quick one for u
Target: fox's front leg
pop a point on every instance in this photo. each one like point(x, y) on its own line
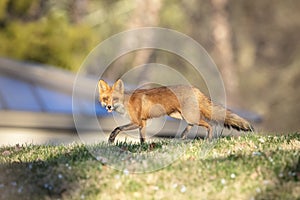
point(142, 130)
point(117, 130)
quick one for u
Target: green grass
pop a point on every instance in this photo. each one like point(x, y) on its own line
point(246, 167)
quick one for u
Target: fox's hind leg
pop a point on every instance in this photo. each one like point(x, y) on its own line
point(201, 123)
point(208, 127)
point(186, 131)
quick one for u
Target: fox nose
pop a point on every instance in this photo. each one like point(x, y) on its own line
point(109, 107)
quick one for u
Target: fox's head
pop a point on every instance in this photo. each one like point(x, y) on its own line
point(111, 98)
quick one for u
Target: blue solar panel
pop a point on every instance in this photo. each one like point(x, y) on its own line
point(100, 111)
point(54, 101)
point(18, 95)
point(25, 96)
point(86, 107)
point(82, 106)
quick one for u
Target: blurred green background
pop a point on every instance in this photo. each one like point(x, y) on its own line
point(254, 43)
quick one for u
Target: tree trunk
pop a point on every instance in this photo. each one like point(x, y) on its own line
point(145, 14)
point(78, 9)
point(223, 51)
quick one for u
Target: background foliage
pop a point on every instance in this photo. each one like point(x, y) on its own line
point(264, 39)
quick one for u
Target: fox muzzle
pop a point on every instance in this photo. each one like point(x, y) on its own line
point(109, 108)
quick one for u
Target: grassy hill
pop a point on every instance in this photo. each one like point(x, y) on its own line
point(246, 167)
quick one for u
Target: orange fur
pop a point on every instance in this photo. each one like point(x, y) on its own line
point(181, 102)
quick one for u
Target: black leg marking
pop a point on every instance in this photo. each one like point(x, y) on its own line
point(117, 130)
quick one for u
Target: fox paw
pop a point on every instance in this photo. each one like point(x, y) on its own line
point(111, 140)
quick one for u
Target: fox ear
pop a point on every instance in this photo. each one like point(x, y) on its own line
point(102, 86)
point(118, 86)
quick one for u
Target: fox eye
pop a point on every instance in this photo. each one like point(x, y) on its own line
point(115, 99)
point(105, 99)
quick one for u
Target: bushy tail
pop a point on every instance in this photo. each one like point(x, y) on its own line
point(236, 122)
point(221, 115)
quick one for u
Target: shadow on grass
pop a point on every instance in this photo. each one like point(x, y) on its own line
point(53, 176)
point(43, 172)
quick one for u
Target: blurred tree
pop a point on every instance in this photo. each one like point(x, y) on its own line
point(3, 6)
point(43, 31)
point(222, 38)
point(78, 10)
point(255, 43)
point(145, 14)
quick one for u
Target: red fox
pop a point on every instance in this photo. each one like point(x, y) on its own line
point(180, 102)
